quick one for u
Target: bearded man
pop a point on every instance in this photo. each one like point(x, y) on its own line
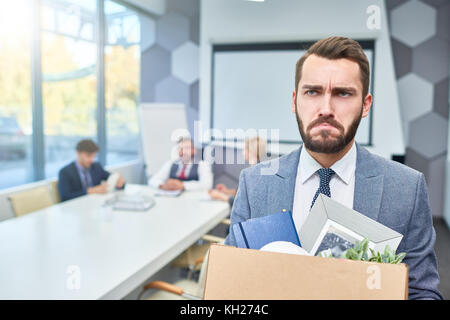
point(329, 100)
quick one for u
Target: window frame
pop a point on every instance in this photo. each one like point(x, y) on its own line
point(38, 136)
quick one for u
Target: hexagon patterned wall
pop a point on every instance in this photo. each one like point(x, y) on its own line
point(170, 58)
point(170, 66)
point(421, 48)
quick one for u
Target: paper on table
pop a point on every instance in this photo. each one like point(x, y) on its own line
point(168, 193)
point(133, 202)
point(284, 247)
point(112, 181)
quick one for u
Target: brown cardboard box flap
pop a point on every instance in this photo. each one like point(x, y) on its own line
point(234, 273)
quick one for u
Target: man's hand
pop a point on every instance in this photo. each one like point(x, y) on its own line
point(222, 188)
point(101, 188)
point(218, 195)
point(120, 182)
point(172, 184)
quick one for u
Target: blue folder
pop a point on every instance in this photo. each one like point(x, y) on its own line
point(256, 233)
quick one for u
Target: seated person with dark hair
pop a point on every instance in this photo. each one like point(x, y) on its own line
point(84, 175)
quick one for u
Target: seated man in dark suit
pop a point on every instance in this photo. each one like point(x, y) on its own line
point(84, 175)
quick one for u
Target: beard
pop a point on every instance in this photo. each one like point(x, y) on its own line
point(328, 144)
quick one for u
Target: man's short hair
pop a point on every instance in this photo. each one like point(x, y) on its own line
point(338, 48)
point(87, 145)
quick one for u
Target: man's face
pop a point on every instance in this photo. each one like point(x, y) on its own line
point(186, 151)
point(86, 159)
point(328, 103)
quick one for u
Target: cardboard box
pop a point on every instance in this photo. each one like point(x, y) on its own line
point(247, 274)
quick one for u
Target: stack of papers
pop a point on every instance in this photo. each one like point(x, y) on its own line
point(132, 202)
point(168, 193)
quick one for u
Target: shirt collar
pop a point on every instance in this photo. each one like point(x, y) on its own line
point(180, 163)
point(307, 165)
point(79, 167)
point(344, 168)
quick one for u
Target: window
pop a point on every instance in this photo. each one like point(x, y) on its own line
point(69, 92)
point(122, 66)
point(69, 83)
point(15, 94)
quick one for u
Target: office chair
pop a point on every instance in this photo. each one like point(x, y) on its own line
point(194, 258)
point(55, 192)
point(185, 289)
point(197, 251)
point(30, 200)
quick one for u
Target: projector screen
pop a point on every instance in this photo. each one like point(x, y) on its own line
point(252, 89)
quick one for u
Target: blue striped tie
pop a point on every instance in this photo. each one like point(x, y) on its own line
point(325, 175)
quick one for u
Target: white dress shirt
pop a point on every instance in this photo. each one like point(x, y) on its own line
point(205, 176)
point(342, 183)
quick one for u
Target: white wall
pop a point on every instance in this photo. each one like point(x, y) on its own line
point(238, 21)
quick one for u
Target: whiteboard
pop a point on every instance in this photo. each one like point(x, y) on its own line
point(252, 89)
point(162, 124)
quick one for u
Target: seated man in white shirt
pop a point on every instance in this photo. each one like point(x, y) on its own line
point(183, 173)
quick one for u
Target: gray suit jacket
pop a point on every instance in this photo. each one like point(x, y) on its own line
point(386, 191)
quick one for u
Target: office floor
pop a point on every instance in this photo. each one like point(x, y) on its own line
point(442, 249)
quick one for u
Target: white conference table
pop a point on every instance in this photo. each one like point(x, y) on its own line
point(109, 252)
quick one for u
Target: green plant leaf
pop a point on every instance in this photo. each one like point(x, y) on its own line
point(365, 245)
point(360, 252)
point(391, 256)
point(399, 258)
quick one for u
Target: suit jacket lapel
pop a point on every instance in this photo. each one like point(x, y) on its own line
point(368, 184)
point(76, 175)
point(281, 191)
